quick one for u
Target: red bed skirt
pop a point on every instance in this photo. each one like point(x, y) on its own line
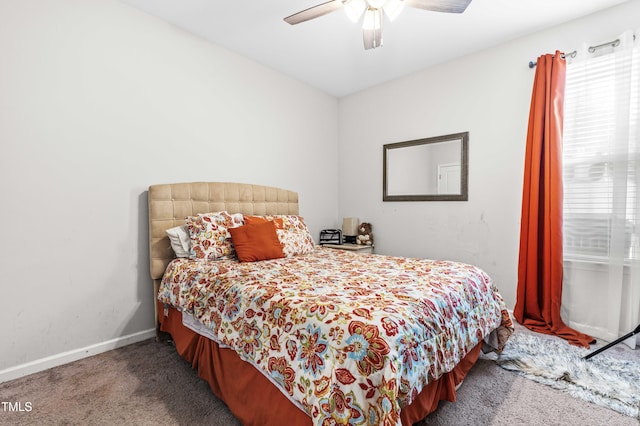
point(253, 399)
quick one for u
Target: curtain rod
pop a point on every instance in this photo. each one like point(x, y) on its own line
point(591, 49)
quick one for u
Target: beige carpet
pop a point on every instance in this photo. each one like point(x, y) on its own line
point(149, 384)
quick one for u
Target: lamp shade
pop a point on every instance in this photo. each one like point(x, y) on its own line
point(393, 8)
point(350, 226)
point(376, 4)
point(354, 9)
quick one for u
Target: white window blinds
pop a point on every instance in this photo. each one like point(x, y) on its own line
point(601, 154)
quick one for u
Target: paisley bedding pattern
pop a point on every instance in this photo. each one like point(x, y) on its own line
point(350, 339)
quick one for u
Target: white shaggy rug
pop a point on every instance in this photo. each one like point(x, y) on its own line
point(602, 380)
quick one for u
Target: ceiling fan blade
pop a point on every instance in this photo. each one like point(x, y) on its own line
point(446, 6)
point(314, 12)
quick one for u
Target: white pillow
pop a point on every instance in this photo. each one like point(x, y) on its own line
point(180, 240)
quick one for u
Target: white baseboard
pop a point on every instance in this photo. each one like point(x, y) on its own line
point(74, 355)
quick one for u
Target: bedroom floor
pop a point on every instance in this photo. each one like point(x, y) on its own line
point(148, 383)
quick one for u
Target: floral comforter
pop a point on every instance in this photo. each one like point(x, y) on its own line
point(350, 338)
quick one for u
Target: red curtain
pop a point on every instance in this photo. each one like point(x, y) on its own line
point(539, 293)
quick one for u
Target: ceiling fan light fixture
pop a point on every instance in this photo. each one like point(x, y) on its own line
point(372, 28)
point(373, 11)
point(393, 8)
point(376, 4)
point(354, 9)
point(372, 19)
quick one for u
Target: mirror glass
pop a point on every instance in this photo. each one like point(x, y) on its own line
point(431, 169)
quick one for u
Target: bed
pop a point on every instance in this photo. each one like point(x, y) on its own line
point(313, 336)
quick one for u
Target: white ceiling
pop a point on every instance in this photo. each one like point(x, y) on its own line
point(328, 53)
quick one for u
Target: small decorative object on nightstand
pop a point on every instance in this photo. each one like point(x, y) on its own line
point(365, 234)
point(354, 248)
point(330, 236)
point(350, 229)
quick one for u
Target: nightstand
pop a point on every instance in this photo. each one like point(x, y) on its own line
point(355, 248)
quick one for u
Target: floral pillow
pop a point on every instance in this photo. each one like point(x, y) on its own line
point(210, 237)
point(292, 233)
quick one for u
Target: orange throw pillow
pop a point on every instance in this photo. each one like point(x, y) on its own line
point(256, 241)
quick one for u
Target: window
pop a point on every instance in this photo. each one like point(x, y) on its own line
point(601, 156)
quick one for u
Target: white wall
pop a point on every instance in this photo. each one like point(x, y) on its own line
point(487, 94)
point(97, 102)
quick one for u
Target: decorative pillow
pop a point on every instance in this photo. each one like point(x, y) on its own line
point(295, 236)
point(251, 220)
point(210, 237)
point(292, 233)
point(257, 241)
point(180, 240)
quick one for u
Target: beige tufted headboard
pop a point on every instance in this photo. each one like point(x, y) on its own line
point(169, 204)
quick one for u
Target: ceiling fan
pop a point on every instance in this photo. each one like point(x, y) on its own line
point(373, 11)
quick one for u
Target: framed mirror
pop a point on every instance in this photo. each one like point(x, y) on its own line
point(431, 169)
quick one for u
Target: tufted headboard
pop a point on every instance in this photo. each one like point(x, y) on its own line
point(169, 204)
